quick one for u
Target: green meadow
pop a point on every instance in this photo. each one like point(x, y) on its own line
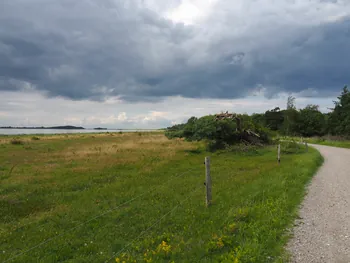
point(139, 197)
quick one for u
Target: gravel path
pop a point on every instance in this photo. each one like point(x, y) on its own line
point(322, 234)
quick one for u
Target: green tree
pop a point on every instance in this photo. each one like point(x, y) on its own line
point(190, 127)
point(339, 119)
point(311, 121)
point(291, 103)
point(259, 118)
point(274, 119)
point(290, 118)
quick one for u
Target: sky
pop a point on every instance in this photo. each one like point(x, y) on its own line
point(155, 63)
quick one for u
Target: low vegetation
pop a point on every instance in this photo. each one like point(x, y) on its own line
point(292, 147)
point(258, 129)
point(16, 141)
point(335, 141)
point(221, 134)
point(140, 198)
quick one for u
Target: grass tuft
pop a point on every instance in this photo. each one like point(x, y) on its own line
point(16, 142)
point(292, 147)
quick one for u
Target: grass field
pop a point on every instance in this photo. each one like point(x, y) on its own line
point(342, 144)
point(139, 197)
point(323, 141)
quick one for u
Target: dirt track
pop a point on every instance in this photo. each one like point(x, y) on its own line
point(323, 232)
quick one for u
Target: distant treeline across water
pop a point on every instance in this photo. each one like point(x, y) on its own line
point(28, 130)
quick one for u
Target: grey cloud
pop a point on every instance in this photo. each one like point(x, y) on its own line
point(319, 63)
point(92, 49)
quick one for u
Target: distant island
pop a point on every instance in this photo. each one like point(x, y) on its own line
point(67, 127)
point(99, 128)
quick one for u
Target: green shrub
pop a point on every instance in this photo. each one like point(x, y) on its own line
point(266, 134)
point(215, 145)
point(219, 134)
point(16, 142)
point(34, 138)
point(176, 131)
point(292, 148)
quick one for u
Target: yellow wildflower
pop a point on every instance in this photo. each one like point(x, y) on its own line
point(220, 243)
point(232, 227)
point(163, 247)
point(117, 260)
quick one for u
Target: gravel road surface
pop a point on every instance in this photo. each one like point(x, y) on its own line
point(322, 234)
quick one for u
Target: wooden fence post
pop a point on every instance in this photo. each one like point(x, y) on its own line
point(207, 181)
point(307, 147)
point(279, 153)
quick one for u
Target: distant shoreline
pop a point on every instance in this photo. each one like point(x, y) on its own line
point(45, 128)
point(75, 128)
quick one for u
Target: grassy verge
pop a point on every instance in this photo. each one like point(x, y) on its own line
point(324, 141)
point(342, 144)
point(65, 192)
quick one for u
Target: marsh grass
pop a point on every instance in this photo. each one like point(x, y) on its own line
point(64, 180)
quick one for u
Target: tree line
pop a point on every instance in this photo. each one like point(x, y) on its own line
point(309, 121)
point(259, 128)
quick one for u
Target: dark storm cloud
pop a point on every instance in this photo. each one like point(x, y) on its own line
point(95, 49)
point(316, 60)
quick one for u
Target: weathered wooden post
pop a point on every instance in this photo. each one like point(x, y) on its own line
point(207, 181)
point(279, 153)
point(307, 147)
